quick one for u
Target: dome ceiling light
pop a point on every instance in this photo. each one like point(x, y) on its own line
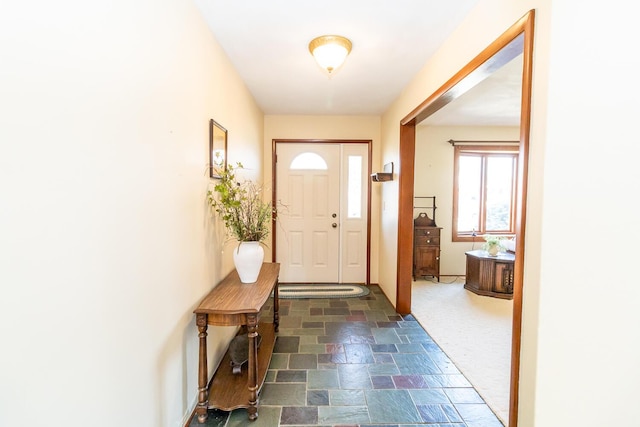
point(330, 51)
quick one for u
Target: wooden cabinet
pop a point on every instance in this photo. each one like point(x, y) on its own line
point(233, 303)
point(426, 247)
point(490, 275)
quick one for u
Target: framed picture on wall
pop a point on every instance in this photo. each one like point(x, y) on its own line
point(217, 148)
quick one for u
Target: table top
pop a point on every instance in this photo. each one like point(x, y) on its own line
point(231, 296)
point(502, 256)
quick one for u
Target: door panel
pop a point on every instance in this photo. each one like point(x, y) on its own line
point(353, 246)
point(353, 227)
point(307, 246)
point(321, 191)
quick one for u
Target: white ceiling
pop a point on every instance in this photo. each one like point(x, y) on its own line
point(267, 42)
point(493, 102)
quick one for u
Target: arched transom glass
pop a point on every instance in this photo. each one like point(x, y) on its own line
point(308, 161)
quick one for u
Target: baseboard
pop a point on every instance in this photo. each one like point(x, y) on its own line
point(187, 422)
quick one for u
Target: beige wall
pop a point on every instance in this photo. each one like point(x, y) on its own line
point(483, 25)
point(434, 177)
point(588, 299)
point(331, 127)
point(579, 304)
point(107, 247)
point(106, 242)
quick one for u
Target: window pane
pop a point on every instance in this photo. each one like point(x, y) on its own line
point(354, 187)
point(308, 161)
point(499, 182)
point(469, 170)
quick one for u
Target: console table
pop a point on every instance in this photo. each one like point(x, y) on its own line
point(490, 275)
point(233, 303)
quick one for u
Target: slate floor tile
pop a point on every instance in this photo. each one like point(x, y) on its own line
point(303, 361)
point(286, 344)
point(429, 396)
point(415, 363)
point(362, 339)
point(283, 394)
point(384, 348)
point(215, 419)
point(452, 413)
point(296, 415)
point(339, 310)
point(334, 348)
point(463, 395)
point(347, 398)
point(358, 353)
point(279, 361)
point(444, 381)
point(341, 415)
point(338, 303)
point(477, 415)
point(291, 376)
point(312, 348)
point(355, 362)
point(382, 381)
point(317, 397)
point(383, 369)
point(268, 416)
point(432, 414)
point(354, 376)
point(386, 336)
point(313, 325)
point(409, 348)
point(387, 324)
point(383, 358)
point(322, 379)
point(409, 381)
point(392, 406)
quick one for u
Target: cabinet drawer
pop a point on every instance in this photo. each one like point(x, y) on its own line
point(427, 231)
point(427, 240)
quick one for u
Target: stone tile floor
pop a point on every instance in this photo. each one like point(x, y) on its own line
point(356, 362)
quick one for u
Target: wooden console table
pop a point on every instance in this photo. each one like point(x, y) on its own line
point(233, 303)
point(490, 275)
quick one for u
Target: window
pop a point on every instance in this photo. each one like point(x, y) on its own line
point(484, 188)
point(308, 161)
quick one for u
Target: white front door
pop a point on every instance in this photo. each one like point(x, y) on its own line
point(321, 193)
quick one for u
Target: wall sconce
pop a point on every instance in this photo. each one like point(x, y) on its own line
point(330, 52)
point(387, 175)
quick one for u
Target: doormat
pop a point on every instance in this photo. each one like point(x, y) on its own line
point(299, 291)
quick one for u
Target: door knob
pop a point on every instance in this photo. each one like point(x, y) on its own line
point(334, 225)
point(333, 215)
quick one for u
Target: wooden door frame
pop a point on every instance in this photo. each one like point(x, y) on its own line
point(274, 159)
point(490, 59)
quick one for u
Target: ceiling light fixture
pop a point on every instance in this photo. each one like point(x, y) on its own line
point(330, 51)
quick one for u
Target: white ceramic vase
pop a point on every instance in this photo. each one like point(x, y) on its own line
point(493, 250)
point(248, 257)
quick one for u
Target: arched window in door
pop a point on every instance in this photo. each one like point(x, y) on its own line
point(308, 161)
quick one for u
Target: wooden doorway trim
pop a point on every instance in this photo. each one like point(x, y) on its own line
point(274, 160)
point(490, 59)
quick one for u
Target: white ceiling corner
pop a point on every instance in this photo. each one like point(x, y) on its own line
point(267, 42)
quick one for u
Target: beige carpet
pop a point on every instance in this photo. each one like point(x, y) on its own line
point(474, 331)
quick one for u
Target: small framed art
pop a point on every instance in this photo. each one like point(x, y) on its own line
point(217, 148)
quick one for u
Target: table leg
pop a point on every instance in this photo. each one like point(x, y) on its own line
point(203, 390)
point(276, 308)
point(252, 326)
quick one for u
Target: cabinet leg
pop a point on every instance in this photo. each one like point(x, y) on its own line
point(203, 390)
point(276, 308)
point(252, 327)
